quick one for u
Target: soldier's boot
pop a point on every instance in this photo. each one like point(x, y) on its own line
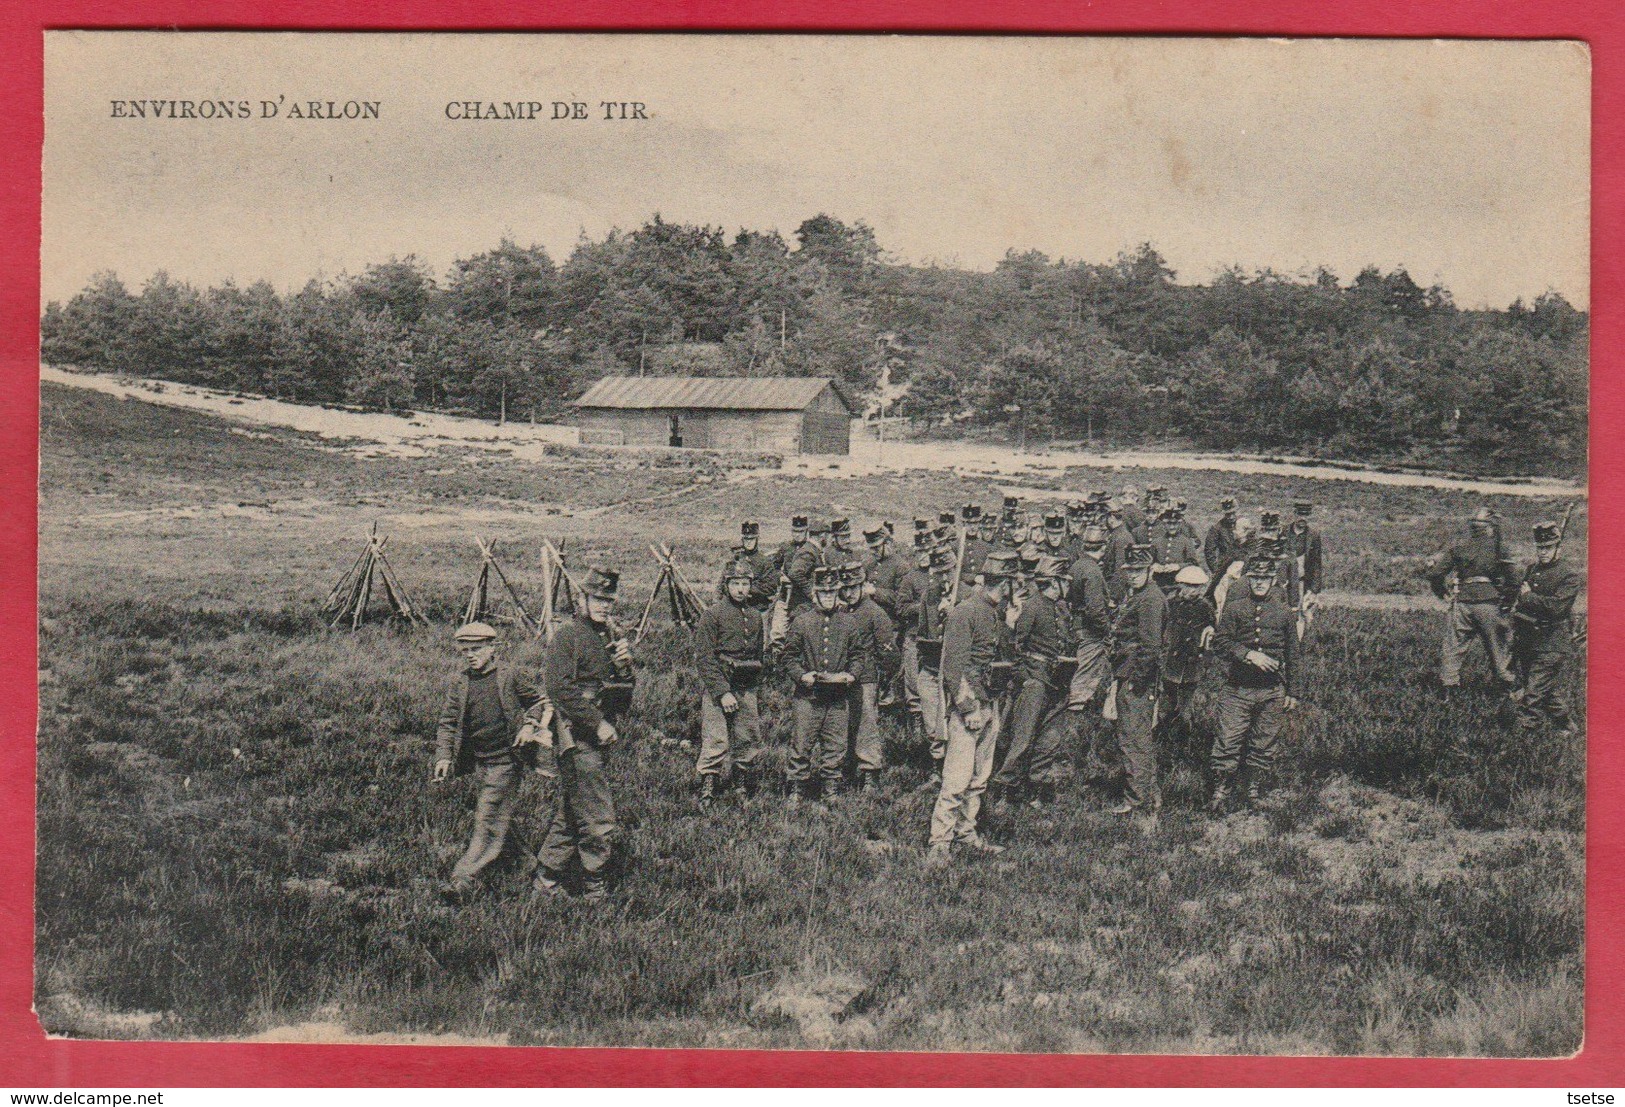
point(593, 889)
point(938, 856)
point(1220, 799)
point(547, 884)
point(708, 789)
point(869, 784)
point(744, 783)
point(1043, 795)
point(1255, 791)
point(933, 783)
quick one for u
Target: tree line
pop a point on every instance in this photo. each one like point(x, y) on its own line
point(1115, 353)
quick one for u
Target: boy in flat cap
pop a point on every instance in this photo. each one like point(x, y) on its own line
point(490, 709)
point(589, 680)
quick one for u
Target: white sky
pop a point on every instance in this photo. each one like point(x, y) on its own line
point(1468, 163)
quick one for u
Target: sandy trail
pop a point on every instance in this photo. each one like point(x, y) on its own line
point(421, 433)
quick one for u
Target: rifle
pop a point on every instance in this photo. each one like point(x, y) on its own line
point(959, 569)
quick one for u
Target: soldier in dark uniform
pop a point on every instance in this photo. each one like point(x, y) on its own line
point(787, 552)
point(932, 616)
point(1542, 637)
point(1307, 575)
point(1128, 505)
point(764, 581)
point(983, 542)
point(875, 660)
point(1222, 546)
point(885, 568)
point(1188, 527)
point(1137, 640)
point(820, 656)
point(1258, 639)
point(910, 591)
point(589, 680)
point(1170, 545)
point(1470, 576)
point(1055, 534)
point(1012, 531)
point(1038, 719)
point(1089, 603)
point(1119, 538)
point(971, 680)
point(840, 543)
point(1190, 628)
point(1077, 518)
point(728, 653)
point(807, 560)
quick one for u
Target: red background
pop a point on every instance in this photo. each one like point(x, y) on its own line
point(27, 1059)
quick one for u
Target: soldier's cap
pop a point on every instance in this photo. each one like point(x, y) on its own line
point(1100, 499)
point(1077, 509)
point(851, 574)
point(942, 558)
point(942, 535)
point(970, 513)
point(1093, 537)
point(1484, 515)
point(798, 522)
point(1051, 568)
point(1012, 502)
point(819, 527)
point(988, 521)
point(921, 525)
point(1302, 507)
point(1139, 557)
point(1274, 545)
point(1269, 520)
point(1055, 520)
point(1228, 503)
point(1157, 492)
point(749, 530)
point(1130, 491)
point(840, 526)
point(1181, 503)
point(946, 518)
point(1000, 566)
point(1173, 511)
point(738, 570)
point(1113, 507)
point(826, 578)
point(874, 531)
point(1547, 533)
point(1260, 565)
point(602, 583)
point(922, 540)
point(1192, 574)
point(476, 632)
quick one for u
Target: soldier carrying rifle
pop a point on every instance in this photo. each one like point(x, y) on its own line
point(1542, 634)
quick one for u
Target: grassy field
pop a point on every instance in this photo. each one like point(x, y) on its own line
point(237, 833)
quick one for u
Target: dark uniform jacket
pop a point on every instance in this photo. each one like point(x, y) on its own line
point(1476, 561)
point(911, 588)
point(1040, 637)
point(1089, 601)
point(1221, 548)
point(1137, 638)
point(1188, 617)
point(886, 573)
point(877, 642)
point(764, 576)
point(1117, 543)
point(1307, 545)
point(784, 554)
point(800, 572)
point(976, 550)
point(1541, 618)
point(931, 623)
point(727, 632)
point(1134, 521)
point(970, 644)
point(821, 642)
point(1268, 626)
point(1170, 545)
point(578, 667)
point(519, 694)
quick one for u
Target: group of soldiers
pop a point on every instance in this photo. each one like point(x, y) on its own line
point(995, 638)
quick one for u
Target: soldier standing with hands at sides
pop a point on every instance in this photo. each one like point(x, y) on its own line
point(1469, 575)
point(934, 606)
point(810, 557)
point(1542, 637)
point(1119, 539)
point(885, 569)
point(728, 653)
point(1258, 637)
point(1170, 544)
point(786, 552)
point(971, 643)
point(981, 543)
point(873, 661)
point(1190, 629)
point(764, 580)
point(1137, 641)
point(489, 710)
point(1128, 504)
point(589, 680)
point(820, 655)
point(1038, 716)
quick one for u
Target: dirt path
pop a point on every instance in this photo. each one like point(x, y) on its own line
point(421, 433)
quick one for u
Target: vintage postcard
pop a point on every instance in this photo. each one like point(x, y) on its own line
point(1020, 544)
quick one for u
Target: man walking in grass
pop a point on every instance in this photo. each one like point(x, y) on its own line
point(1470, 576)
point(1258, 637)
point(589, 680)
point(1542, 635)
point(489, 709)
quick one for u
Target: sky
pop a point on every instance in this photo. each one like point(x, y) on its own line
point(1468, 163)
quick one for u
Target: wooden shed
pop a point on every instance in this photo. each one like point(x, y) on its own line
point(792, 415)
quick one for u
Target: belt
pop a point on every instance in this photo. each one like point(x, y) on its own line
point(1477, 580)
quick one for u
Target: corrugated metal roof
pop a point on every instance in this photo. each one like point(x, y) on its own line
point(716, 393)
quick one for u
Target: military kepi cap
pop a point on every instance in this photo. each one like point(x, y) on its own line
point(875, 530)
point(826, 578)
point(970, 512)
point(602, 583)
point(818, 528)
point(476, 632)
point(851, 574)
point(1139, 557)
point(840, 526)
point(1260, 565)
point(999, 566)
point(942, 558)
point(798, 522)
point(1547, 533)
point(738, 570)
point(749, 530)
point(1055, 521)
point(1302, 507)
point(946, 518)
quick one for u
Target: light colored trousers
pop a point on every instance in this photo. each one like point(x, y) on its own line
point(498, 783)
point(863, 727)
point(1467, 621)
point(966, 767)
point(729, 742)
point(931, 713)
